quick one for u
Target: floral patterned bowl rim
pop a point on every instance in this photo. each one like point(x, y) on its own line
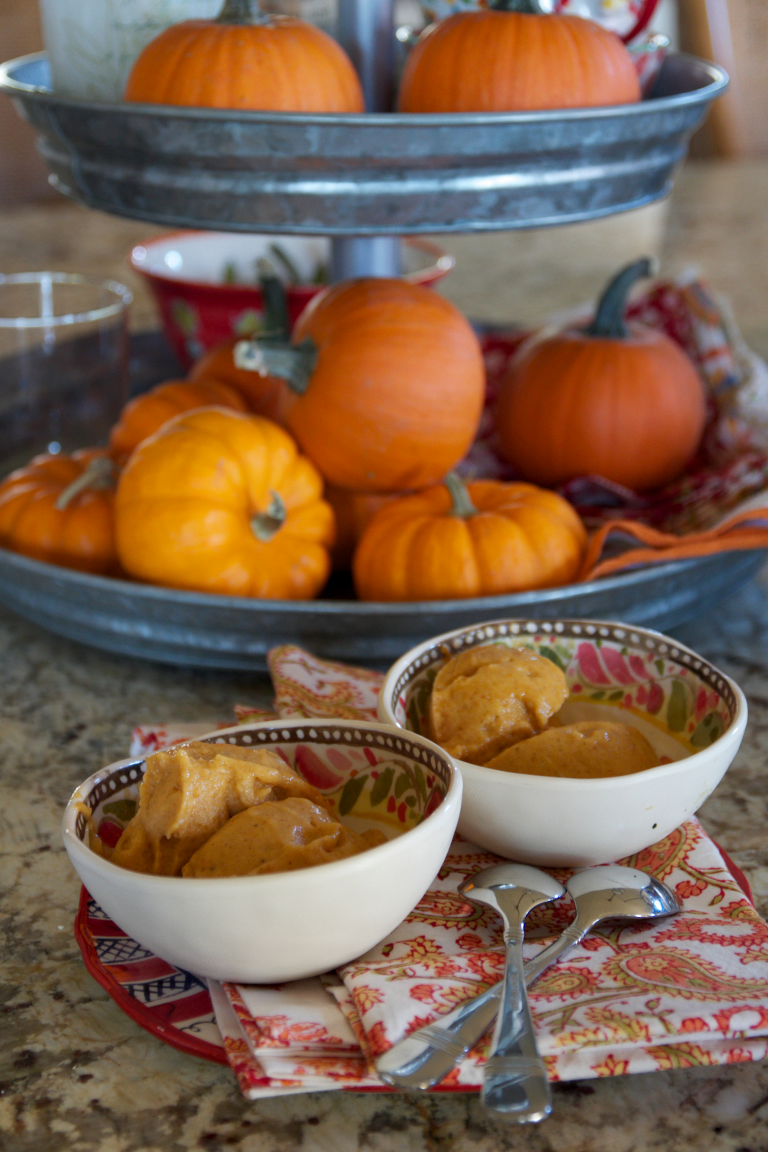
point(115, 778)
point(424, 656)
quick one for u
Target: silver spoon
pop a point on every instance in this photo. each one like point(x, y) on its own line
point(515, 1084)
point(426, 1056)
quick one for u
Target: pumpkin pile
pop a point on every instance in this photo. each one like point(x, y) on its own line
point(281, 456)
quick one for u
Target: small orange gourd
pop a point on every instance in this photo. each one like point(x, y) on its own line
point(622, 402)
point(60, 509)
point(217, 501)
point(512, 58)
point(386, 384)
point(143, 415)
point(454, 541)
point(246, 59)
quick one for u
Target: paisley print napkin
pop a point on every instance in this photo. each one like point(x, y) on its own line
point(677, 993)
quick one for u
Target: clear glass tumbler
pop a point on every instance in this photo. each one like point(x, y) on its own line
point(63, 362)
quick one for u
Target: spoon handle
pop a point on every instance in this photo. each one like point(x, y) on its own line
point(515, 1084)
point(426, 1056)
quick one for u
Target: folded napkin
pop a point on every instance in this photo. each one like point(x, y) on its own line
point(687, 991)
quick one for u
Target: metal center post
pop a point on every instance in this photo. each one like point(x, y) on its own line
point(366, 30)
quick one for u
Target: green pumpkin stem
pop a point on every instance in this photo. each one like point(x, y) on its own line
point(460, 499)
point(242, 12)
point(98, 474)
point(273, 354)
point(277, 326)
point(265, 525)
point(292, 363)
point(609, 319)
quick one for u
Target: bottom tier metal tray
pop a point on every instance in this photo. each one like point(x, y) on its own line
point(203, 631)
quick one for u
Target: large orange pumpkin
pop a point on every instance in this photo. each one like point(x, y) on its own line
point(148, 412)
point(60, 509)
point(386, 384)
point(505, 61)
point(622, 403)
point(246, 59)
point(221, 502)
point(451, 542)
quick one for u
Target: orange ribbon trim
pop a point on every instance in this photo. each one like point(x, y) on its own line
point(745, 530)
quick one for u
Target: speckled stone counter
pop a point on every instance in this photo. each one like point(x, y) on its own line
point(78, 1074)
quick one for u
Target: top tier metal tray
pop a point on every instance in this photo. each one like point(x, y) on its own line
point(364, 174)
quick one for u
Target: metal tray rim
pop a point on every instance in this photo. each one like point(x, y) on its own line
point(367, 120)
point(362, 608)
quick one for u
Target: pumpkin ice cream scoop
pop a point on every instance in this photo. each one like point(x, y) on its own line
point(217, 501)
point(278, 837)
point(488, 698)
point(590, 749)
point(191, 791)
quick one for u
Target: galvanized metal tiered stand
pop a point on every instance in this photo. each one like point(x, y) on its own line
point(365, 180)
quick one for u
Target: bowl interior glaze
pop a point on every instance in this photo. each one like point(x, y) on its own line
point(677, 699)
point(371, 780)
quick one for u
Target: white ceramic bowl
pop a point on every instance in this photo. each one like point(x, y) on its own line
point(289, 925)
point(693, 715)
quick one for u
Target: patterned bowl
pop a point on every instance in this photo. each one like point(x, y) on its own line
point(692, 714)
point(288, 925)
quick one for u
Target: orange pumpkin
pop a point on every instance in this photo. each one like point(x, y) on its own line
point(60, 509)
point(622, 403)
point(353, 512)
point(386, 384)
point(505, 61)
point(221, 502)
point(148, 412)
point(246, 59)
point(452, 542)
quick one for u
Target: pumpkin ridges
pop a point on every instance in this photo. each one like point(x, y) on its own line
point(243, 66)
point(528, 62)
point(79, 536)
point(371, 332)
point(418, 548)
point(187, 498)
point(505, 558)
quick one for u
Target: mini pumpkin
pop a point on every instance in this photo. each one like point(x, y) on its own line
point(60, 509)
point(218, 501)
point(386, 384)
point(511, 58)
point(454, 541)
point(146, 413)
point(246, 58)
point(622, 402)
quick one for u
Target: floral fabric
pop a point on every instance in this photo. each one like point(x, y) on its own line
point(685, 991)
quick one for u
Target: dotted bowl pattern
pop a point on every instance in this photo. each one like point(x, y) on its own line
point(128, 777)
point(523, 631)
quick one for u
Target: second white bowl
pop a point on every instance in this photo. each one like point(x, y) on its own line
point(693, 715)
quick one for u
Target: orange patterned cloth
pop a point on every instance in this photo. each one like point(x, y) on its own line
point(683, 992)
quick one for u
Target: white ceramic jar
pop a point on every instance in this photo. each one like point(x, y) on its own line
point(92, 44)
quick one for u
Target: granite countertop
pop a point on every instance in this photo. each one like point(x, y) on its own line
point(78, 1074)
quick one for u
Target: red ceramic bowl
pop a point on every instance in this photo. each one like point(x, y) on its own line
point(205, 282)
